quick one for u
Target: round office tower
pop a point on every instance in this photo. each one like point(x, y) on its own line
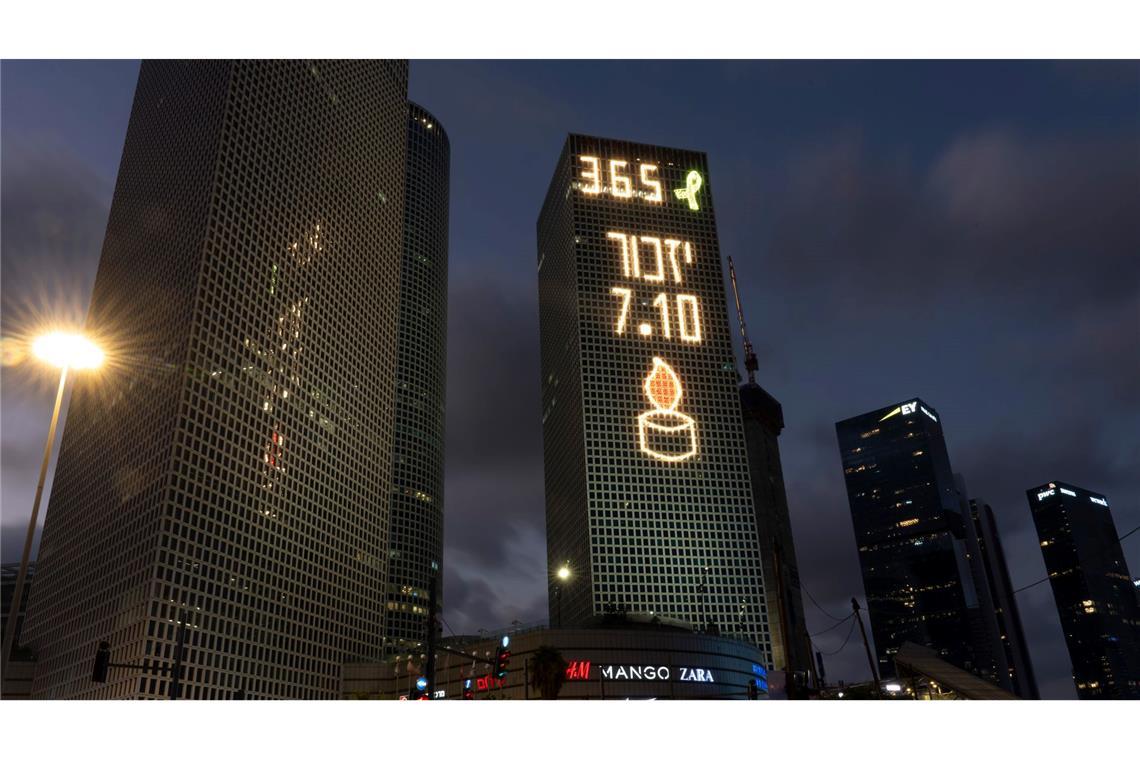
point(416, 543)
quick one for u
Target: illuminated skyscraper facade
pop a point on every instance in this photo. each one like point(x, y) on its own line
point(1092, 588)
point(229, 474)
point(917, 546)
point(648, 498)
point(416, 546)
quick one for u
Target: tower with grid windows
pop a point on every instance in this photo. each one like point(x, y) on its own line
point(228, 477)
point(648, 498)
point(416, 545)
point(1092, 588)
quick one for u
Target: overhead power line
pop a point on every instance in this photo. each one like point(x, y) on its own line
point(845, 640)
point(832, 628)
point(817, 605)
point(1039, 582)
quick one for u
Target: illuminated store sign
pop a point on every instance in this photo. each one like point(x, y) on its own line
point(578, 670)
point(1096, 500)
point(486, 683)
point(654, 673)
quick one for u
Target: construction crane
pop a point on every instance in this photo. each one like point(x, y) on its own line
point(750, 362)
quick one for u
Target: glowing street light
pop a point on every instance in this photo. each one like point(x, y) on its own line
point(563, 576)
point(67, 350)
point(64, 350)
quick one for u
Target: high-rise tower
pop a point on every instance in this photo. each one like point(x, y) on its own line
point(231, 472)
point(416, 545)
point(917, 546)
point(1012, 635)
point(1092, 588)
point(648, 498)
point(763, 421)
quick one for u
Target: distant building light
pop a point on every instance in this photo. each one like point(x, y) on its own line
point(894, 688)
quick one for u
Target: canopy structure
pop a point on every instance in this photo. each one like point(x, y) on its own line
point(941, 680)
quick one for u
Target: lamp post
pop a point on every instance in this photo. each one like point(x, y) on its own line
point(563, 577)
point(66, 351)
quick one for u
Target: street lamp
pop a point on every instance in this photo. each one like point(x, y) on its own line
point(65, 350)
point(563, 575)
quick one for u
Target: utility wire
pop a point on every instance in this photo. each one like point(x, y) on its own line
point(825, 630)
point(845, 641)
point(818, 607)
point(1038, 583)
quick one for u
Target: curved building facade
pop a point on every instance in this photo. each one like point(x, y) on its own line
point(630, 662)
point(416, 543)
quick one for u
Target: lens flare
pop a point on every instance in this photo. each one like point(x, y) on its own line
point(63, 349)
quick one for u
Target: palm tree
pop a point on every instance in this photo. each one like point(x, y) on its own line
point(547, 672)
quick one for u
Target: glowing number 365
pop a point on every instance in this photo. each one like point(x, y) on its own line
point(620, 184)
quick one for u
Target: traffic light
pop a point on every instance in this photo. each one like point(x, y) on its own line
point(502, 657)
point(102, 662)
point(468, 691)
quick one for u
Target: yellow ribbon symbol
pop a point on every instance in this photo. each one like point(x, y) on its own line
point(689, 193)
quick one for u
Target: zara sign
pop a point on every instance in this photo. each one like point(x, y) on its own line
point(654, 673)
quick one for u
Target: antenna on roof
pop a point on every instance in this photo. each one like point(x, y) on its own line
point(750, 362)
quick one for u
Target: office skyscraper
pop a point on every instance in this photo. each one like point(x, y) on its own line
point(416, 545)
point(763, 421)
point(231, 470)
point(648, 499)
point(1018, 663)
point(1092, 588)
point(916, 539)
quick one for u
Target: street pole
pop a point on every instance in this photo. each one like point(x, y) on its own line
point(22, 576)
point(429, 669)
point(867, 648)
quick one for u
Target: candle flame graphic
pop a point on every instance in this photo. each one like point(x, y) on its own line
point(663, 387)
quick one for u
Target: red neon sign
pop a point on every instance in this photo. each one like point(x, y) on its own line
point(578, 670)
point(486, 683)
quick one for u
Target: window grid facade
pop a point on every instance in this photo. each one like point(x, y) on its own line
point(914, 547)
point(416, 548)
point(230, 471)
point(673, 539)
point(1092, 588)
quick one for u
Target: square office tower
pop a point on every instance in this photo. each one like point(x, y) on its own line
point(1092, 589)
point(225, 482)
point(914, 539)
point(648, 499)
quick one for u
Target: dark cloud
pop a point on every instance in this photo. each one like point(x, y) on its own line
point(966, 232)
point(53, 211)
point(999, 280)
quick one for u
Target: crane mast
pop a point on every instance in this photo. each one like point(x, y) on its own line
point(750, 362)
